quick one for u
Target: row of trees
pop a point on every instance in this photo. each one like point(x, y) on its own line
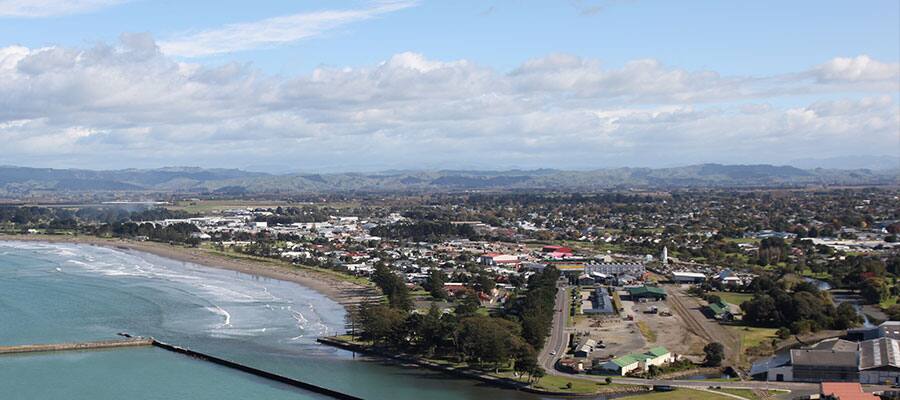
point(424, 230)
point(64, 218)
point(181, 232)
point(512, 339)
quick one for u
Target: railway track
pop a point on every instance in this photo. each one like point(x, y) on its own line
point(732, 345)
point(692, 324)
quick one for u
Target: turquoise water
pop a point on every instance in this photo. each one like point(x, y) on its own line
point(129, 374)
point(52, 293)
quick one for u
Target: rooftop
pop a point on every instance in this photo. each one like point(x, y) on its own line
point(846, 391)
point(643, 290)
point(877, 353)
point(824, 358)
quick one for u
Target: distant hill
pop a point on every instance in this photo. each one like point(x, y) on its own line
point(17, 181)
point(877, 163)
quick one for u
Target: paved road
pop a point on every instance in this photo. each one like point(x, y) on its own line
point(760, 385)
point(559, 338)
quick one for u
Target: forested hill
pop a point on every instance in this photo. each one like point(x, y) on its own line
point(21, 181)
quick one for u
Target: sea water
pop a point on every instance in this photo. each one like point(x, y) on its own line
point(53, 293)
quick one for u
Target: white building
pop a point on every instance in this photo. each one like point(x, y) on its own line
point(688, 277)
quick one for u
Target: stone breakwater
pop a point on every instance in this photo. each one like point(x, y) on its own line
point(103, 344)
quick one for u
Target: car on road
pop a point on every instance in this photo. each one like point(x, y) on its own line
point(552, 353)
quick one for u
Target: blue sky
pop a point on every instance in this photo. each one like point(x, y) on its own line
point(363, 85)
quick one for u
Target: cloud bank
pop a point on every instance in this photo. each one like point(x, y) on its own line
point(130, 104)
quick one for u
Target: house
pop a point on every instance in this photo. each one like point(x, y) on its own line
point(638, 362)
point(845, 391)
point(688, 277)
point(494, 259)
point(720, 311)
point(585, 347)
point(571, 365)
point(646, 292)
point(556, 249)
point(601, 303)
point(586, 280)
point(728, 278)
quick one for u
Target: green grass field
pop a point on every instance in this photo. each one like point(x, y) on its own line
point(558, 384)
point(752, 336)
point(733, 298)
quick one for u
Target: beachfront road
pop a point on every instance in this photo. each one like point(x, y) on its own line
point(559, 340)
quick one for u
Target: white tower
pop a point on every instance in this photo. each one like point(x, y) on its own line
point(665, 256)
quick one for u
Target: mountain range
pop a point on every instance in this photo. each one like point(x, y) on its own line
point(17, 181)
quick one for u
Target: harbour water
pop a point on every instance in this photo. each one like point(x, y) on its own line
point(51, 293)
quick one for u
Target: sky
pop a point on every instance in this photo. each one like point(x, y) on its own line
point(329, 86)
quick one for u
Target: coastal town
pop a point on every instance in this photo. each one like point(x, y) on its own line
point(766, 291)
point(449, 200)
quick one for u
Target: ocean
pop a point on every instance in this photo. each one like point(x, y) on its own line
point(53, 293)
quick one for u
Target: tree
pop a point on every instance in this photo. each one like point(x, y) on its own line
point(783, 333)
point(761, 310)
point(715, 353)
point(435, 285)
point(484, 283)
point(874, 290)
point(488, 340)
point(393, 286)
point(382, 324)
point(468, 303)
point(526, 362)
point(846, 317)
point(538, 374)
point(431, 330)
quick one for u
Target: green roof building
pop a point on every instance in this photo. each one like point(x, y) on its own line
point(647, 292)
point(639, 362)
point(720, 310)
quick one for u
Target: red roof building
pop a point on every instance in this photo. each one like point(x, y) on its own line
point(556, 249)
point(846, 391)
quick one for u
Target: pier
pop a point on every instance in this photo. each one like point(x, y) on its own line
point(103, 344)
point(136, 341)
point(255, 371)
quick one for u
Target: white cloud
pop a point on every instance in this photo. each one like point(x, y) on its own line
point(132, 102)
point(857, 69)
point(273, 31)
point(51, 8)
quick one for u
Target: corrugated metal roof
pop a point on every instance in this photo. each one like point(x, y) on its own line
point(824, 357)
point(877, 353)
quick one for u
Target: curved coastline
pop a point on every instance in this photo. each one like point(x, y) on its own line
point(341, 291)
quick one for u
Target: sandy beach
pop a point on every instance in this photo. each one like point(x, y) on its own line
point(344, 292)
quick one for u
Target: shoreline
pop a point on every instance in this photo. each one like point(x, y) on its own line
point(341, 291)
